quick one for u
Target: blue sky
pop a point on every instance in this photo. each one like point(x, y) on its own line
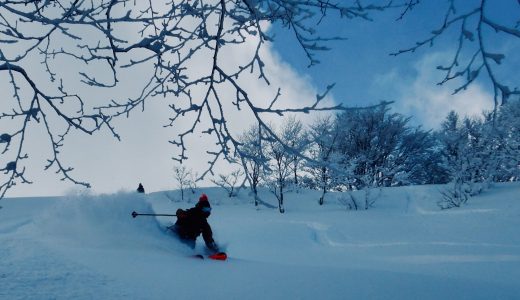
point(361, 67)
point(358, 64)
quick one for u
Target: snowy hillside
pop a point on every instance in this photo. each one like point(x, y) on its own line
point(89, 247)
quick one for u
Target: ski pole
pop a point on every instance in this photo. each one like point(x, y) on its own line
point(135, 214)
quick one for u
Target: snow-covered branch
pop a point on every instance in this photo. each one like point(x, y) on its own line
point(474, 53)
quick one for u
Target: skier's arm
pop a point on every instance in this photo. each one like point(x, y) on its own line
point(207, 235)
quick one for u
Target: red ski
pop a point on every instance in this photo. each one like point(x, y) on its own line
point(216, 256)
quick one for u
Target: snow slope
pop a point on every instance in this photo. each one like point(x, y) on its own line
point(89, 247)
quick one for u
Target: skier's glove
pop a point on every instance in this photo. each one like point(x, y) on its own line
point(181, 213)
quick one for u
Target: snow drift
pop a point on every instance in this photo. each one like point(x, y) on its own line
point(90, 221)
point(86, 247)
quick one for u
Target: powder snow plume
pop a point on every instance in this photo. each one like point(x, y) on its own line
point(103, 220)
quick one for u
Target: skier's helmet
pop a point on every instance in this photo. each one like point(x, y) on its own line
point(204, 205)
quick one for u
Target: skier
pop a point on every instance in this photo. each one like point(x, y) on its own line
point(192, 222)
point(140, 188)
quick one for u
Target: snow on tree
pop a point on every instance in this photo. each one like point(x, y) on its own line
point(296, 140)
point(323, 135)
point(481, 157)
point(281, 160)
point(377, 148)
point(253, 158)
point(507, 142)
point(368, 140)
point(475, 54)
point(478, 152)
point(107, 40)
point(470, 158)
point(418, 159)
point(177, 48)
point(454, 143)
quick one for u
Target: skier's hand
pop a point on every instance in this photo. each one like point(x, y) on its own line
point(180, 213)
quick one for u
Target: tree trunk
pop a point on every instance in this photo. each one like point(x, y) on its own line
point(255, 193)
point(367, 198)
point(280, 201)
point(323, 185)
point(322, 198)
point(295, 172)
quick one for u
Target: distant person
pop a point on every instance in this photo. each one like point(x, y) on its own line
point(192, 222)
point(140, 188)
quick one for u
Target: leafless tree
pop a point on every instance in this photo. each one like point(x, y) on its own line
point(253, 158)
point(323, 134)
point(349, 201)
point(476, 52)
point(281, 158)
point(106, 38)
point(296, 140)
point(183, 178)
point(229, 181)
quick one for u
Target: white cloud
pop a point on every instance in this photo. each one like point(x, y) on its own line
point(144, 154)
point(429, 103)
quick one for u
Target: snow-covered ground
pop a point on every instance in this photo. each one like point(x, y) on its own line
point(89, 247)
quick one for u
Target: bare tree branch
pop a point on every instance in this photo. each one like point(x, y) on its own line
point(483, 59)
point(118, 36)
